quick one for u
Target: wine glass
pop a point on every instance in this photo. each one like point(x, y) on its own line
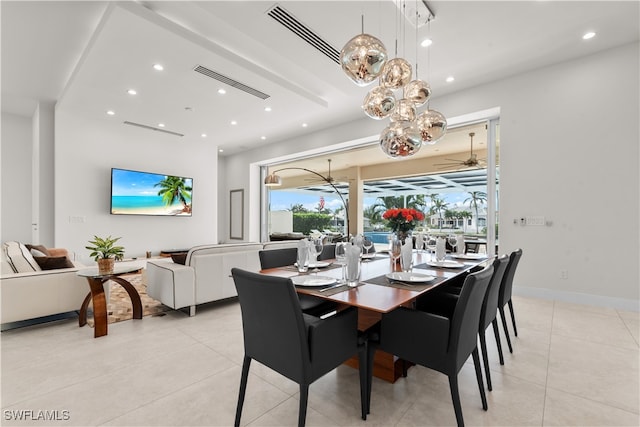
point(396, 249)
point(367, 244)
point(453, 241)
point(431, 244)
point(316, 244)
point(341, 257)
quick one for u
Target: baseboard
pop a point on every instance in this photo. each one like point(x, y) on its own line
point(578, 298)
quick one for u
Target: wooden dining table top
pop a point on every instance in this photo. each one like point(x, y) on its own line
point(375, 292)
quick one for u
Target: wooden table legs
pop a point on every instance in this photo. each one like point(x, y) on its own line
point(100, 303)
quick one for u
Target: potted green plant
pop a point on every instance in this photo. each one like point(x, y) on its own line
point(105, 253)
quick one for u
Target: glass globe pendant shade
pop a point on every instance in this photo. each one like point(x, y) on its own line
point(363, 58)
point(417, 91)
point(400, 139)
point(432, 126)
point(405, 111)
point(379, 103)
point(396, 73)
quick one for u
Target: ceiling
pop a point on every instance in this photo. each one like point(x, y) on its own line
point(86, 55)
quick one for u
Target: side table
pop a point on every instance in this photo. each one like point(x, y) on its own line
point(96, 284)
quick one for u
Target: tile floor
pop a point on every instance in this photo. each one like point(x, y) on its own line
point(572, 365)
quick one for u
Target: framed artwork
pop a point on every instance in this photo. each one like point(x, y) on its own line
point(236, 214)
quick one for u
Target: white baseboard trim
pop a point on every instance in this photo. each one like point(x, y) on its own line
point(578, 298)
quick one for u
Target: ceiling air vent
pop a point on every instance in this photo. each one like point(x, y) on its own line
point(229, 81)
point(140, 125)
point(299, 29)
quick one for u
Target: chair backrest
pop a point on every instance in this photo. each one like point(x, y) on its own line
point(328, 252)
point(490, 304)
point(466, 317)
point(506, 286)
point(272, 258)
point(272, 322)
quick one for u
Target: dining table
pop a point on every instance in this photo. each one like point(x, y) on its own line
point(382, 288)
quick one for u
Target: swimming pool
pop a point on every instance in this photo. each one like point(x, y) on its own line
point(378, 236)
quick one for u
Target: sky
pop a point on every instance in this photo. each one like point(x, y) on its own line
point(134, 183)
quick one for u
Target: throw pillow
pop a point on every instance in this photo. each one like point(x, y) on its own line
point(53, 262)
point(179, 258)
point(20, 258)
point(38, 250)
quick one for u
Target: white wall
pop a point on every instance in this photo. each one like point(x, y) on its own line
point(85, 153)
point(569, 152)
point(15, 152)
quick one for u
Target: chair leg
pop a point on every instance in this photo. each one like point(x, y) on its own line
point(304, 397)
point(496, 332)
point(513, 318)
point(371, 351)
point(455, 397)
point(243, 388)
point(404, 368)
point(485, 359)
point(506, 330)
point(364, 388)
point(476, 364)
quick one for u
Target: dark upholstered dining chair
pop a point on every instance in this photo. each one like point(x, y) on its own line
point(273, 258)
point(442, 343)
point(504, 297)
point(280, 336)
point(443, 303)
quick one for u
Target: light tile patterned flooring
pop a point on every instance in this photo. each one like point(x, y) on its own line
point(572, 365)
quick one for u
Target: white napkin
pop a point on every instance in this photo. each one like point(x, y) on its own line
point(460, 245)
point(303, 252)
point(441, 248)
point(406, 253)
point(352, 262)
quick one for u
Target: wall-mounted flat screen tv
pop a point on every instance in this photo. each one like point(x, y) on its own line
point(145, 193)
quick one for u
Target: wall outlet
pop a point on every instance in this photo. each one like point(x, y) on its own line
point(76, 219)
point(564, 274)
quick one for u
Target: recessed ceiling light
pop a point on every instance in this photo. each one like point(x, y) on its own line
point(160, 125)
point(589, 35)
point(222, 91)
point(111, 113)
point(263, 137)
point(158, 67)
point(132, 92)
point(450, 79)
point(267, 109)
point(426, 42)
point(233, 122)
point(304, 125)
point(204, 135)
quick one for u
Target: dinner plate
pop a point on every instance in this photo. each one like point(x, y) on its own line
point(445, 264)
point(468, 256)
point(410, 277)
point(313, 281)
point(319, 264)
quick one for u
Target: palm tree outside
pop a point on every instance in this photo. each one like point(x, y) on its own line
point(173, 189)
point(438, 206)
point(476, 197)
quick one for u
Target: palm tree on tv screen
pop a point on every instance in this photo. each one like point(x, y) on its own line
point(175, 188)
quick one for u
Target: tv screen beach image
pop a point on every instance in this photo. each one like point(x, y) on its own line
point(143, 193)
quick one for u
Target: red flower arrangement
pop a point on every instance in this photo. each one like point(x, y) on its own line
point(403, 219)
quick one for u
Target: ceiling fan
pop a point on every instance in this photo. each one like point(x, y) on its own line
point(471, 162)
point(328, 179)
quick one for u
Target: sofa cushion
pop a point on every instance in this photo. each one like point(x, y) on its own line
point(53, 262)
point(38, 250)
point(20, 258)
point(179, 258)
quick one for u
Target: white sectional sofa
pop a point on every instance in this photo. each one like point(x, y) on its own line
point(36, 294)
point(205, 276)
